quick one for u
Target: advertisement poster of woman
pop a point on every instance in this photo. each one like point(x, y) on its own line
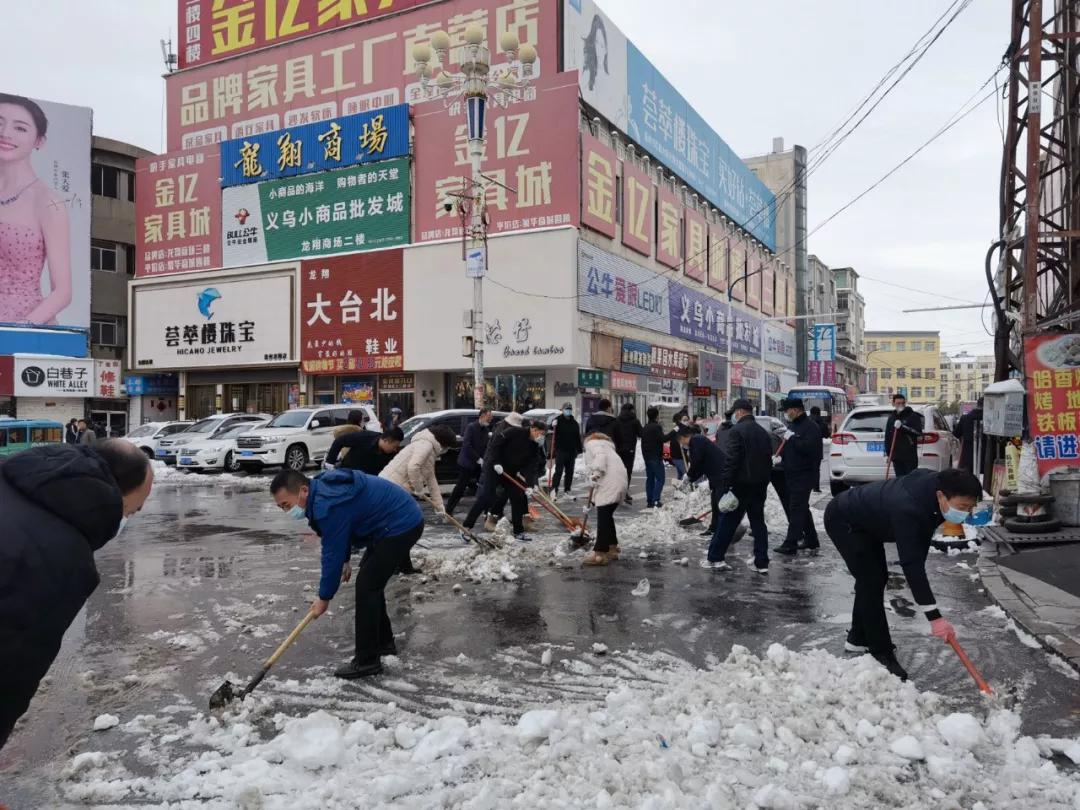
point(594, 47)
point(44, 212)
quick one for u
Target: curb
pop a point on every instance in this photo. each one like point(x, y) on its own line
point(1003, 594)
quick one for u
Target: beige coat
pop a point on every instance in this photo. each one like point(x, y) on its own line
point(607, 469)
point(413, 468)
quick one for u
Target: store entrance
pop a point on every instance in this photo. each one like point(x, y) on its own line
point(269, 398)
point(109, 424)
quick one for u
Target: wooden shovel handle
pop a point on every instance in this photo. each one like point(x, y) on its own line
point(984, 687)
point(289, 640)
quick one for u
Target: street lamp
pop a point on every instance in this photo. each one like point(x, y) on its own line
point(477, 83)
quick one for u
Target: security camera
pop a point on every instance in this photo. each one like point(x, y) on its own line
point(448, 204)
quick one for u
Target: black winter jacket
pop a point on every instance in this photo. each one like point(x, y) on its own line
point(60, 504)
point(567, 436)
point(515, 450)
point(908, 426)
point(802, 453)
point(904, 511)
point(652, 441)
point(965, 432)
point(364, 453)
point(601, 422)
point(706, 461)
point(473, 445)
point(747, 454)
point(627, 432)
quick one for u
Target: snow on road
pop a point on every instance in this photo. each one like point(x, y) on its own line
point(786, 730)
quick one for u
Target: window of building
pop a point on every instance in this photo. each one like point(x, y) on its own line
point(916, 392)
point(916, 374)
point(841, 328)
point(901, 345)
point(841, 301)
point(901, 374)
point(107, 330)
point(886, 345)
point(871, 346)
point(930, 393)
point(103, 256)
point(105, 181)
point(930, 373)
point(916, 345)
point(970, 366)
point(130, 186)
point(129, 259)
point(886, 373)
point(930, 346)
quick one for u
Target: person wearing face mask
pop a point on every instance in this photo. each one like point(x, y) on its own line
point(515, 452)
point(801, 461)
point(676, 454)
point(350, 510)
point(905, 511)
point(60, 503)
point(902, 431)
point(567, 448)
point(471, 456)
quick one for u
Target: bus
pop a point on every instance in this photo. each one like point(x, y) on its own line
point(833, 401)
point(22, 434)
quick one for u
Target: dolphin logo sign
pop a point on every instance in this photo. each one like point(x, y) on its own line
point(206, 300)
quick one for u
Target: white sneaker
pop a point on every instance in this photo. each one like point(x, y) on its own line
point(715, 566)
point(855, 648)
point(751, 564)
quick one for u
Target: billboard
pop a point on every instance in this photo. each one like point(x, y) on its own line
point(45, 216)
point(352, 313)
point(639, 209)
point(616, 288)
point(599, 170)
point(211, 30)
point(336, 144)
point(668, 227)
point(596, 49)
point(108, 379)
point(530, 162)
point(823, 342)
point(780, 345)
point(53, 377)
point(178, 212)
point(218, 321)
point(344, 211)
point(341, 72)
point(1052, 379)
point(695, 244)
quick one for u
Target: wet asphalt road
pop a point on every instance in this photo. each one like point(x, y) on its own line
point(210, 576)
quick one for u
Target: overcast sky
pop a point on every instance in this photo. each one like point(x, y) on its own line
point(753, 70)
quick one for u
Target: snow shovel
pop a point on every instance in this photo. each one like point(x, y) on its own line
point(226, 693)
point(544, 502)
point(984, 687)
point(892, 446)
point(483, 543)
point(565, 519)
point(694, 521)
point(580, 536)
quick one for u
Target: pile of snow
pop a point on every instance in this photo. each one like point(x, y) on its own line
point(164, 474)
point(787, 730)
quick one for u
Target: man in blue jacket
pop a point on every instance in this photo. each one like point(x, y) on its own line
point(471, 456)
point(350, 509)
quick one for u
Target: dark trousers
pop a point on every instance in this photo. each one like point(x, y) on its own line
point(465, 477)
point(564, 463)
point(902, 466)
point(864, 556)
point(751, 504)
point(779, 484)
point(17, 689)
point(654, 480)
point(714, 500)
point(485, 497)
point(628, 462)
point(605, 528)
point(381, 559)
point(680, 468)
point(489, 497)
point(800, 522)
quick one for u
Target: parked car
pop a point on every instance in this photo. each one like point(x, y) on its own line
point(857, 454)
point(297, 437)
point(458, 419)
point(216, 453)
point(773, 426)
point(147, 436)
point(209, 428)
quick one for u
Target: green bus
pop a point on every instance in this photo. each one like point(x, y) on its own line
point(22, 434)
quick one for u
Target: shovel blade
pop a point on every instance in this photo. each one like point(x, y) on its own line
point(223, 695)
point(690, 521)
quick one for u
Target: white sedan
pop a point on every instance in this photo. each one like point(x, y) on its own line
point(217, 453)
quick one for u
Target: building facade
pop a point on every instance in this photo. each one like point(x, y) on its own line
point(906, 363)
point(850, 308)
point(963, 377)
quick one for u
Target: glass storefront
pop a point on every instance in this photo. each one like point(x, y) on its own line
point(504, 392)
point(381, 392)
point(237, 398)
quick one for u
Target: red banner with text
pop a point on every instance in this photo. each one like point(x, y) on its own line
point(695, 244)
point(1052, 370)
point(638, 210)
point(668, 227)
point(598, 178)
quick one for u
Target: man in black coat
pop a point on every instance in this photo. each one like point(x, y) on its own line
point(902, 431)
point(905, 511)
point(602, 421)
point(966, 429)
point(744, 471)
point(369, 451)
point(801, 460)
point(627, 433)
point(71, 432)
point(706, 461)
point(513, 451)
point(566, 448)
point(60, 503)
point(653, 438)
point(471, 456)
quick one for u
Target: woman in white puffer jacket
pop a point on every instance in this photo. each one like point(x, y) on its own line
point(609, 482)
point(413, 468)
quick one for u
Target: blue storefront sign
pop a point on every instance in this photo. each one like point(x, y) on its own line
point(662, 121)
point(636, 356)
point(151, 385)
point(333, 144)
point(704, 320)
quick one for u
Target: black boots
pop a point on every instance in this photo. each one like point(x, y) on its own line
point(888, 660)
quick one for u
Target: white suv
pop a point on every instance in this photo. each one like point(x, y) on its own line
point(147, 436)
point(857, 454)
point(209, 428)
point(297, 437)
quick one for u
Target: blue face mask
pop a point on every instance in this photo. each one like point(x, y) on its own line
point(567, 411)
point(296, 513)
point(954, 515)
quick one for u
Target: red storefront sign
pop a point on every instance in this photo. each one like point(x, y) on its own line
point(638, 210)
point(668, 227)
point(737, 267)
point(341, 72)
point(527, 151)
point(598, 178)
point(1052, 370)
point(737, 373)
point(212, 30)
point(178, 212)
point(768, 279)
point(754, 267)
point(351, 313)
point(670, 363)
point(695, 244)
point(621, 381)
point(718, 257)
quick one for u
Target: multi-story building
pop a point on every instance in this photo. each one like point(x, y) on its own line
point(964, 376)
point(905, 363)
point(850, 311)
point(784, 172)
